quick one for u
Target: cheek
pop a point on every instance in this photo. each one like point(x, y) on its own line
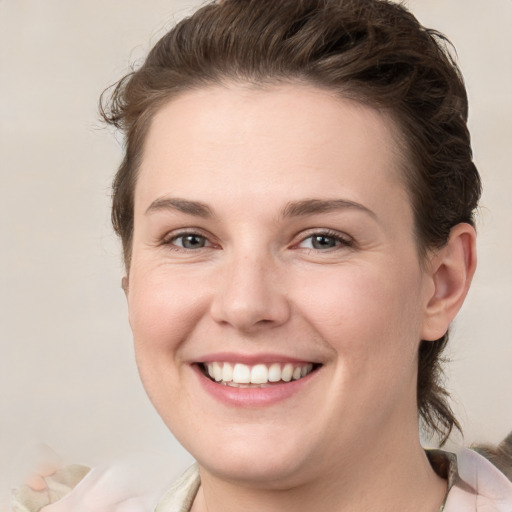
point(365, 313)
point(163, 307)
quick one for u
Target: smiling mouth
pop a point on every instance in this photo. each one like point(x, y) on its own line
point(259, 375)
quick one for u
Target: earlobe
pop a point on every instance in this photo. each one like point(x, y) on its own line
point(451, 271)
point(124, 285)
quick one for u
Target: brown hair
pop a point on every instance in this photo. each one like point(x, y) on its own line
point(373, 51)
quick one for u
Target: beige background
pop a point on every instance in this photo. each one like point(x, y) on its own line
point(67, 373)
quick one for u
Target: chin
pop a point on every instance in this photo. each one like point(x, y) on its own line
point(258, 458)
point(256, 469)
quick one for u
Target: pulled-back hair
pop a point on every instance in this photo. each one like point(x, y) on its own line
point(371, 51)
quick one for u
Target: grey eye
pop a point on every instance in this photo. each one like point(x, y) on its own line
point(323, 242)
point(320, 242)
point(191, 241)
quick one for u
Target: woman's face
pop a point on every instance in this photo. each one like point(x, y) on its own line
point(273, 241)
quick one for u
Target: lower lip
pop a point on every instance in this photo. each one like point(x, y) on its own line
point(252, 397)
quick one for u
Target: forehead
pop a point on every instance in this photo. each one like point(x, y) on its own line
point(294, 134)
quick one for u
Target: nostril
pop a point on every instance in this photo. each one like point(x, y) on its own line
point(250, 315)
point(248, 296)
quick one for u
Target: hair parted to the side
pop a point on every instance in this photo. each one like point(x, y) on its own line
point(371, 51)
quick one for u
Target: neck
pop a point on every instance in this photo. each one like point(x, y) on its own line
point(377, 479)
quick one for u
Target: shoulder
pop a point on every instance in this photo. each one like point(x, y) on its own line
point(500, 456)
point(42, 490)
point(479, 486)
point(135, 483)
point(180, 496)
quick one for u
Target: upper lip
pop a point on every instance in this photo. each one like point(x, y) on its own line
point(251, 359)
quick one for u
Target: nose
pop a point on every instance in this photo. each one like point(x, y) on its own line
point(251, 295)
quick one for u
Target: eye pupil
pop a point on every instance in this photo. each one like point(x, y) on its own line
point(323, 242)
point(193, 241)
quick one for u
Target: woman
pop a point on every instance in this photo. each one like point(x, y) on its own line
point(296, 210)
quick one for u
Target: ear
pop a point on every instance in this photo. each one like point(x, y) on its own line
point(451, 270)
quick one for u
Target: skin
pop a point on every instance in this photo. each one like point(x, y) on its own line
point(258, 286)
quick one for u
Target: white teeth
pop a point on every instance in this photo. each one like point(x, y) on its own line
point(259, 375)
point(306, 369)
point(227, 372)
point(241, 374)
point(274, 372)
point(217, 372)
point(287, 372)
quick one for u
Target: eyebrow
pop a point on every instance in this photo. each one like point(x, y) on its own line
point(313, 206)
point(195, 208)
point(292, 209)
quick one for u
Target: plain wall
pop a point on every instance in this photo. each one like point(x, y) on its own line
point(67, 371)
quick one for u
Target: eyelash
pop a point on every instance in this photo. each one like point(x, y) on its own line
point(339, 239)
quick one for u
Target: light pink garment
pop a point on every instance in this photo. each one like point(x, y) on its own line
point(134, 485)
point(108, 490)
point(480, 487)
